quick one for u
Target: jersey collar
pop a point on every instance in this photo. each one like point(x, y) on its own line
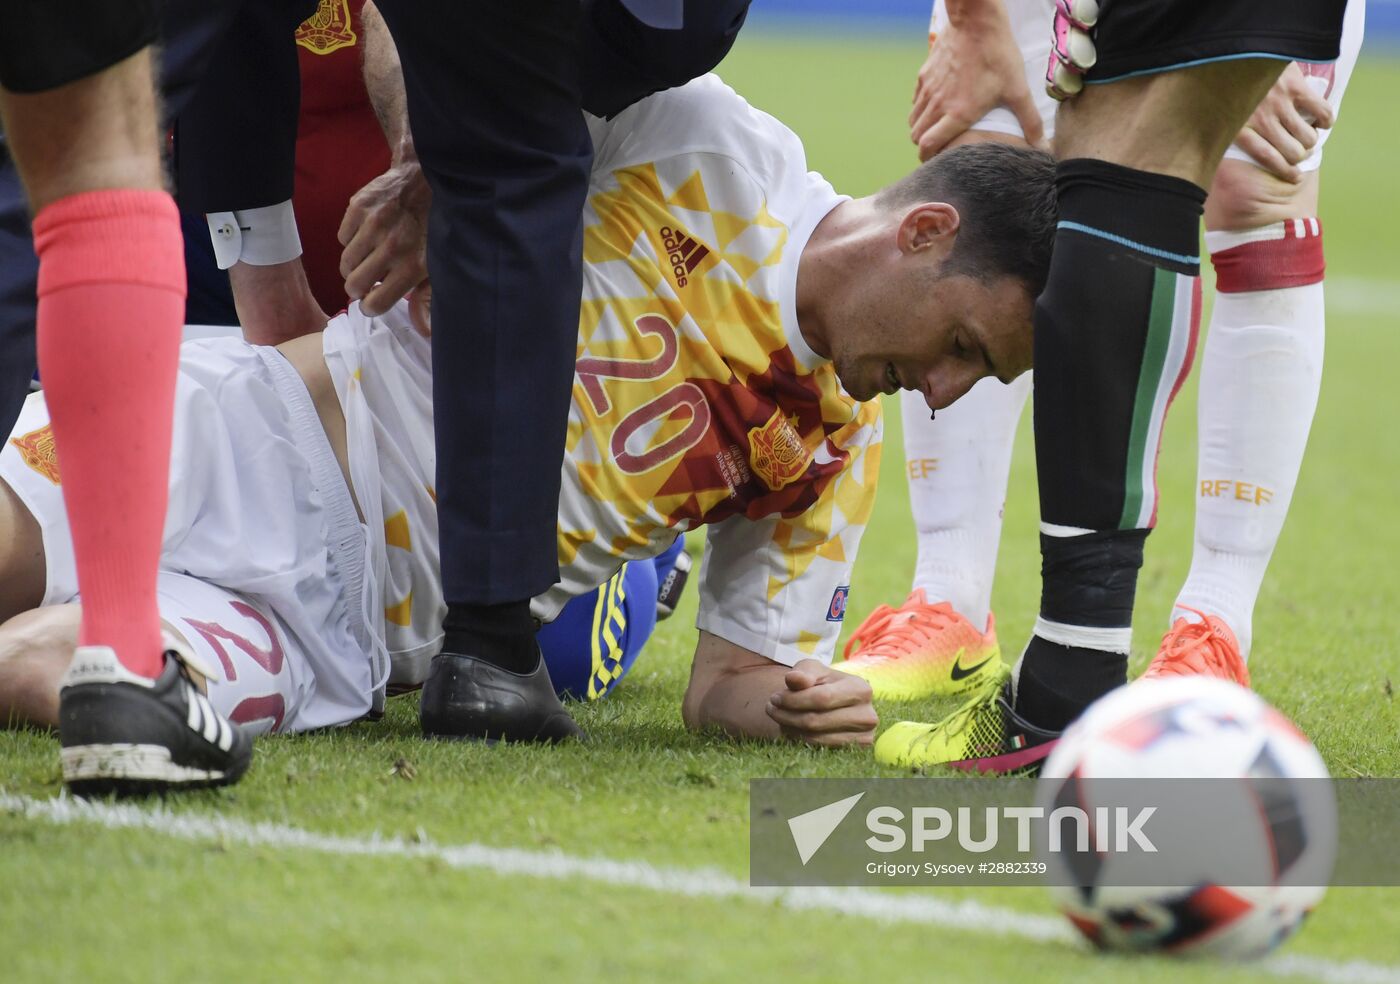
point(821, 199)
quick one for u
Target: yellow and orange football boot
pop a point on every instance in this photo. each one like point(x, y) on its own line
point(985, 735)
point(920, 650)
point(1204, 648)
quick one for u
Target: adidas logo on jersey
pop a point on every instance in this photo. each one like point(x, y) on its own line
point(683, 253)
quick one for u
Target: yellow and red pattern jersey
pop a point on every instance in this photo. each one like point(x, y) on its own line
point(696, 398)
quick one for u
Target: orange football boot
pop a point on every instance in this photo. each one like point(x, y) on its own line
point(920, 650)
point(1204, 648)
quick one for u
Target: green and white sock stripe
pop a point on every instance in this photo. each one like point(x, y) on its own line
point(1166, 359)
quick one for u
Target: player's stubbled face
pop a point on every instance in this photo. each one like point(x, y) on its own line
point(940, 341)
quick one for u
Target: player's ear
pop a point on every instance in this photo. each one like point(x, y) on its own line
point(929, 226)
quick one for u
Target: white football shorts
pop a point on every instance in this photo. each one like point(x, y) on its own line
point(263, 558)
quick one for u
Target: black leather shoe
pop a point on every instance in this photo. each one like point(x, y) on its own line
point(467, 697)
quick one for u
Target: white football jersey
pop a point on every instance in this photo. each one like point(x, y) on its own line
point(696, 399)
point(382, 372)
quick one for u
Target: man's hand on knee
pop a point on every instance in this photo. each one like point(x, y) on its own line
point(972, 68)
point(1283, 130)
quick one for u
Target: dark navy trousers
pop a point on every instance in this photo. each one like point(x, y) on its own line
point(494, 98)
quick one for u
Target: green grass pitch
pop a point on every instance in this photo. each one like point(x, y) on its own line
point(81, 902)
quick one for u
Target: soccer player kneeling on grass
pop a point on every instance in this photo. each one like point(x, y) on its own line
point(738, 320)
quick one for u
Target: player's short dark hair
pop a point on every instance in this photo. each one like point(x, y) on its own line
point(1005, 196)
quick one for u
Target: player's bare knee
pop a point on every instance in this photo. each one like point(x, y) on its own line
point(1245, 196)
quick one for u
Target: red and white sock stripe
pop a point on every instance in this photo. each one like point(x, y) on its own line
point(1275, 256)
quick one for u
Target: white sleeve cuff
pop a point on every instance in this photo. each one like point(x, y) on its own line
point(258, 236)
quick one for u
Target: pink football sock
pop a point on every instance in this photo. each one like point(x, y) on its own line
point(111, 308)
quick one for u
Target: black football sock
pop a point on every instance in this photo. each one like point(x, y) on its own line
point(1080, 648)
point(1114, 338)
point(503, 635)
point(1054, 683)
point(1115, 332)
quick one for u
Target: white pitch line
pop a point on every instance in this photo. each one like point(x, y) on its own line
point(700, 883)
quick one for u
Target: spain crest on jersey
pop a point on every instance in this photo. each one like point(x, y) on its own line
point(37, 450)
point(328, 29)
point(777, 453)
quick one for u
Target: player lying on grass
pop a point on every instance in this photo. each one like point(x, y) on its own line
point(736, 313)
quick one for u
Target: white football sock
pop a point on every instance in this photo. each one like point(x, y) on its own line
point(957, 468)
point(1260, 377)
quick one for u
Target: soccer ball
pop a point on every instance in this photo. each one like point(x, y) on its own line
point(1197, 728)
